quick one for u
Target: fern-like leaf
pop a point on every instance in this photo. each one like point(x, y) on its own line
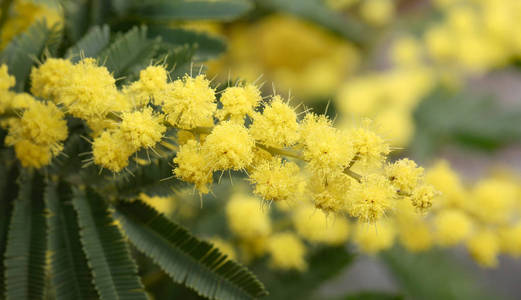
point(186, 259)
point(130, 52)
point(192, 10)
point(23, 52)
point(90, 45)
point(206, 46)
point(70, 273)
point(8, 192)
point(113, 270)
point(26, 243)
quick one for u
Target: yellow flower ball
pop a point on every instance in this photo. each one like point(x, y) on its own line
point(192, 167)
point(371, 199)
point(246, 218)
point(32, 155)
point(142, 128)
point(276, 180)
point(238, 102)
point(229, 146)
point(6, 81)
point(368, 146)
point(316, 226)
point(451, 227)
point(111, 150)
point(404, 175)
point(510, 239)
point(277, 125)
point(484, 248)
point(49, 79)
point(190, 103)
point(373, 238)
point(287, 252)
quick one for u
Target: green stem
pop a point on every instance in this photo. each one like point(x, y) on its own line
point(279, 151)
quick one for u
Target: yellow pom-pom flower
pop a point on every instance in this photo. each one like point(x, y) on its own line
point(142, 128)
point(238, 102)
point(192, 166)
point(316, 226)
point(32, 155)
point(510, 239)
point(404, 175)
point(331, 194)
point(371, 198)
point(90, 90)
point(325, 148)
point(484, 248)
point(6, 81)
point(111, 150)
point(422, 197)
point(229, 146)
point(51, 78)
point(368, 146)
point(447, 181)
point(287, 252)
point(43, 123)
point(276, 180)
point(190, 103)
point(372, 238)
point(277, 125)
point(151, 86)
point(246, 218)
point(493, 201)
point(452, 226)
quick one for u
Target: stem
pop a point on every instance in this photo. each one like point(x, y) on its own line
point(279, 151)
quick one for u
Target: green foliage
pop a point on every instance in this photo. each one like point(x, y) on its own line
point(9, 191)
point(372, 296)
point(26, 243)
point(24, 51)
point(113, 270)
point(323, 265)
point(69, 269)
point(183, 257)
point(206, 46)
point(316, 11)
point(432, 276)
point(129, 53)
point(154, 179)
point(91, 44)
point(475, 121)
point(190, 10)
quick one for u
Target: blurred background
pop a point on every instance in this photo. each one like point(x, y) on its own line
point(440, 79)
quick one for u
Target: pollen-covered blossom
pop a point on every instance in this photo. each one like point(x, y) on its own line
point(287, 252)
point(422, 196)
point(6, 81)
point(414, 232)
point(326, 149)
point(191, 166)
point(229, 146)
point(246, 218)
point(371, 199)
point(276, 180)
point(372, 238)
point(277, 125)
point(510, 239)
point(111, 150)
point(48, 80)
point(238, 102)
point(190, 103)
point(493, 201)
point(452, 227)
point(316, 226)
point(332, 194)
point(368, 146)
point(142, 128)
point(88, 90)
point(404, 174)
point(484, 248)
point(151, 86)
point(39, 134)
